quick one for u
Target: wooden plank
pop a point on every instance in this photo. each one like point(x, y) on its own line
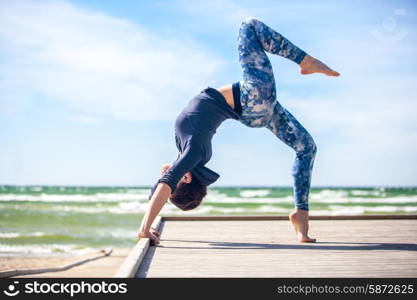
point(268, 248)
point(279, 218)
point(132, 262)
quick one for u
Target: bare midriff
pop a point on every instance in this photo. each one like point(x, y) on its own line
point(227, 93)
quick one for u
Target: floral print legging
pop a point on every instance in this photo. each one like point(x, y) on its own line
point(260, 107)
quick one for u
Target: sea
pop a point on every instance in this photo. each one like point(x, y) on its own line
point(71, 220)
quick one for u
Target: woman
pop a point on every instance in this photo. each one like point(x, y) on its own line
point(253, 102)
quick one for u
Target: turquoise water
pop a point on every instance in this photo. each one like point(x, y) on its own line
point(70, 219)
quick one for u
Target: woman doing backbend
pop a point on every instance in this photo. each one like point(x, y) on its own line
point(253, 102)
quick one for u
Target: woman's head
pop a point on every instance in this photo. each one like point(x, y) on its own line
point(189, 193)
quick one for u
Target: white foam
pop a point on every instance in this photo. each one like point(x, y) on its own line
point(254, 193)
point(136, 191)
point(134, 200)
point(326, 193)
point(118, 233)
point(99, 197)
point(326, 196)
point(128, 207)
point(11, 235)
point(8, 235)
point(368, 193)
point(287, 199)
point(41, 250)
point(201, 210)
point(359, 210)
point(405, 199)
point(121, 208)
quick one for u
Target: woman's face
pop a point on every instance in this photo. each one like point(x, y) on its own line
point(186, 178)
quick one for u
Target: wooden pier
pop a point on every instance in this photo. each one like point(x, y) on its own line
point(266, 246)
point(258, 246)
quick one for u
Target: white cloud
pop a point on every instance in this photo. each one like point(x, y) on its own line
point(98, 64)
point(364, 121)
point(227, 14)
point(85, 119)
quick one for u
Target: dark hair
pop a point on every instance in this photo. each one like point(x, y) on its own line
point(188, 196)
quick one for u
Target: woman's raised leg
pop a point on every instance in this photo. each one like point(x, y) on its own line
point(258, 85)
point(254, 38)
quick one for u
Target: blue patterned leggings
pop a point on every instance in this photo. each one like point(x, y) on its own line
point(260, 107)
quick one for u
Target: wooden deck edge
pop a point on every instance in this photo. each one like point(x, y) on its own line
point(272, 217)
point(132, 262)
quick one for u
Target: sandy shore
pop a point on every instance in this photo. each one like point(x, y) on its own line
point(32, 262)
point(111, 263)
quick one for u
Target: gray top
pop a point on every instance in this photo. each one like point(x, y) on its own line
point(194, 130)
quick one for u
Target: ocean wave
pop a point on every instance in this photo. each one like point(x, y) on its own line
point(117, 233)
point(215, 206)
point(43, 250)
point(254, 193)
point(99, 197)
point(314, 198)
point(120, 208)
point(377, 193)
point(268, 209)
point(359, 210)
point(396, 200)
point(204, 210)
point(210, 199)
point(327, 193)
point(11, 235)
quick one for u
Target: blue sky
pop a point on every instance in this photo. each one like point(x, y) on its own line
point(89, 90)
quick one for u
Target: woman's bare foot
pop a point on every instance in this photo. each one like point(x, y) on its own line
point(311, 65)
point(299, 218)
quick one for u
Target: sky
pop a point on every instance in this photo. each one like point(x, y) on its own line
point(89, 90)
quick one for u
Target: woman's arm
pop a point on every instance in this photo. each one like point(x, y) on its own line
point(159, 198)
point(168, 185)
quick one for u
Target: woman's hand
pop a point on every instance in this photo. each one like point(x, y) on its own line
point(165, 168)
point(155, 232)
point(152, 235)
point(158, 200)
